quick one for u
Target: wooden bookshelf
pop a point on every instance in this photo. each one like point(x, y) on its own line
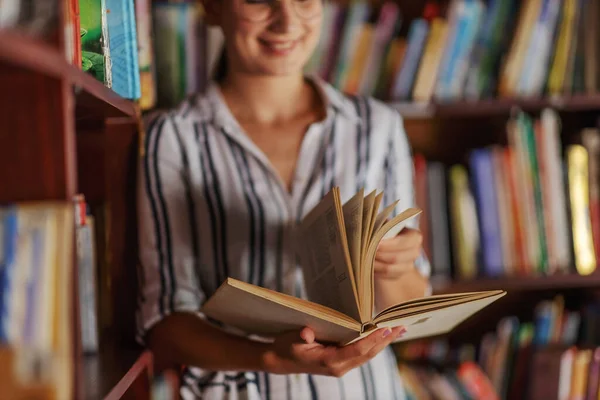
point(115, 373)
point(559, 282)
point(496, 107)
point(61, 133)
point(93, 98)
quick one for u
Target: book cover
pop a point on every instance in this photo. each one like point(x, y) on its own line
point(577, 160)
point(482, 170)
point(73, 33)
point(95, 53)
point(123, 48)
point(429, 66)
point(406, 76)
point(515, 58)
point(464, 224)
point(145, 54)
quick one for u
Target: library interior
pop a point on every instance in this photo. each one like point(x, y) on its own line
point(499, 151)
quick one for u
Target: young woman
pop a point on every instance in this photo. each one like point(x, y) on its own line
point(225, 179)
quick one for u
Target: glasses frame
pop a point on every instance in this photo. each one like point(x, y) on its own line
point(272, 5)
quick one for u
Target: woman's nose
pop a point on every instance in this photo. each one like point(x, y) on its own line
point(285, 19)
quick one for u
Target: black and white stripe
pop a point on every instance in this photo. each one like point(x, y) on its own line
point(213, 202)
point(191, 206)
point(153, 190)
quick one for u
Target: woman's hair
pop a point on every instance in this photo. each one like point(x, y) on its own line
point(220, 70)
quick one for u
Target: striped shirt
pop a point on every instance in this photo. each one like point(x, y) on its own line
point(212, 206)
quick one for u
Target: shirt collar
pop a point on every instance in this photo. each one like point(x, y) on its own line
point(334, 100)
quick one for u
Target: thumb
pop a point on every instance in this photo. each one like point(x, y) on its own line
point(308, 335)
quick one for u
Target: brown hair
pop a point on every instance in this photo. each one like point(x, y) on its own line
point(220, 71)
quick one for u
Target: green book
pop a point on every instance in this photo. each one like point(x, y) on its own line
point(95, 53)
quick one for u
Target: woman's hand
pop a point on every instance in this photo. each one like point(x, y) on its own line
point(297, 352)
point(397, 256)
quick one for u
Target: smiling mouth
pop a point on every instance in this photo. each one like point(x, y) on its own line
point(280, 47)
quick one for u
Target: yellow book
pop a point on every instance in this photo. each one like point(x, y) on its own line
point(558, 71)
point(464, 223)
point(340, 308)
point(579, 377)
point(430, 63)
point(577, 164)
point(511, 70)
point(359, 61)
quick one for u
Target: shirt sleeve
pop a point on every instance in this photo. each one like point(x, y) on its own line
point(399, 174)
point(167, 263)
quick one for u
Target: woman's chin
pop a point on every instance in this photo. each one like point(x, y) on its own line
point(281, 70)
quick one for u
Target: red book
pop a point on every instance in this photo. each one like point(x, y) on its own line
point(476, 382)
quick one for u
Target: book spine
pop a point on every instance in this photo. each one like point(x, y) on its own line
point(577, 160)
point(404, 82)
point(485, 195)
point(105, 42)
point(8, 218)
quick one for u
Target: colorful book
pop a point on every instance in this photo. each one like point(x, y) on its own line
point(95, 50)
point(577, 161)
point(123, 48)
point(145, 54)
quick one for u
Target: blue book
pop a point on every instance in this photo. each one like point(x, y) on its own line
point(482, 172)
point(405, 79)
point(8, 251)
point(123, 48)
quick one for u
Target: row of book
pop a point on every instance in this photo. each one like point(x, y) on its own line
point(555, 355)
point(465, 382)
point(472, 49)
point(161, 51)
point(109, 39)
point(36, 302)
point(529, 208)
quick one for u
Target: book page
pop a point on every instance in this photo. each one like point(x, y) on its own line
point(366, 224)
point(261, 311)
point(353, 216)
point(425, 305)
point(383, 215)
point(438, 321)
point(375, 210)
point(365, 281)
point(325, 259)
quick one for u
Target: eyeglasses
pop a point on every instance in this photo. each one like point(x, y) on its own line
point(261, 10)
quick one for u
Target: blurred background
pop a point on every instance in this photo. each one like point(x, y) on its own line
point(500, 102)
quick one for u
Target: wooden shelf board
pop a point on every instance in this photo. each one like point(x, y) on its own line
point(493, 107)
point(524, 284)
point(111, 370)
point(93, 98)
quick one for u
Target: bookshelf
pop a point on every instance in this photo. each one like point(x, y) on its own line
point(496, 107)
point(93, 99)
point(62, 133)
point(558, 282)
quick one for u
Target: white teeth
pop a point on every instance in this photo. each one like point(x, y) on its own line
point(282, 46)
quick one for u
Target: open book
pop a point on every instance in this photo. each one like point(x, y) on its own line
point(337, 245)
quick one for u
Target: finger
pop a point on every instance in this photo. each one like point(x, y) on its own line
point(362, 347)
point(408, 238)
point(391, 270)
point(399, 256)
point(396, 333)
point(308, 335)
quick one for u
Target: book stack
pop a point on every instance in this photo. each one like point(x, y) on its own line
point(471, 49)
point(524, 209)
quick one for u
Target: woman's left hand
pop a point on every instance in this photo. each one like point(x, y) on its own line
point(396, 256)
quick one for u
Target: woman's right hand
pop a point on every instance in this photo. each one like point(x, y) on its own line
point(297, 352)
